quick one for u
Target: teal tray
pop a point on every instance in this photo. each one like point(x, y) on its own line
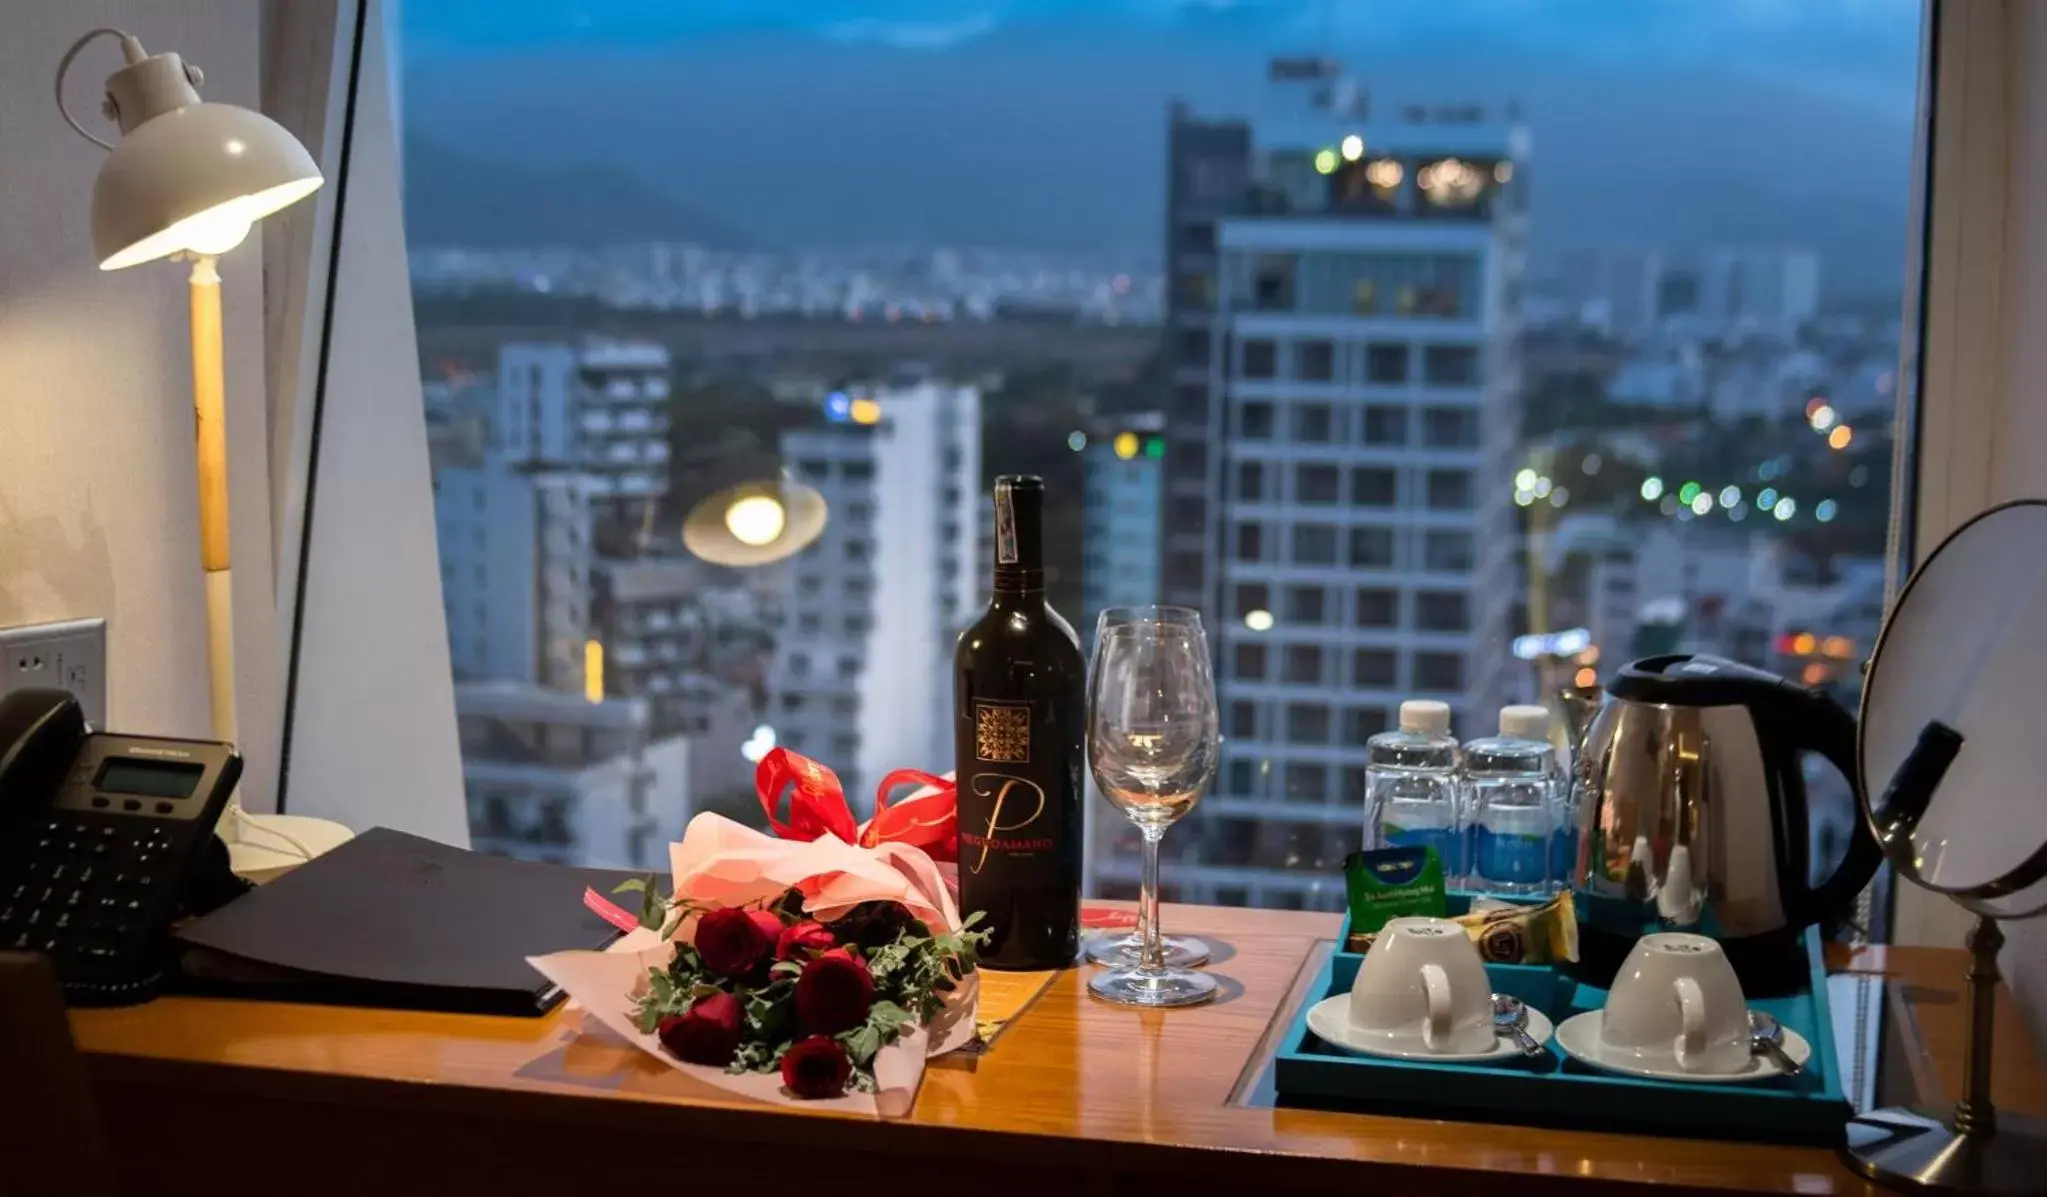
point(1555, 1090)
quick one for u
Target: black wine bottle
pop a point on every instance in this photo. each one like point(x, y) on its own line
point(1018, 719)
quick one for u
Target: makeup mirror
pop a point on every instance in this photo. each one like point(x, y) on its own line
point(1953, 752)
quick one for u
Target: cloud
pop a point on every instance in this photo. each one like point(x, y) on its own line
point(911, 35)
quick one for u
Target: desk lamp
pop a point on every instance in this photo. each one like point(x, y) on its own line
point(188, 179)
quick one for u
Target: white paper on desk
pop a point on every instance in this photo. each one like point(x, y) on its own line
point(606, 984)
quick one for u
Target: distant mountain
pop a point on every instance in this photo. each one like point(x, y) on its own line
point(456, 199)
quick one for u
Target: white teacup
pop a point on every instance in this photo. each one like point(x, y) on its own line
point(1423, 985)
point(1676, 999)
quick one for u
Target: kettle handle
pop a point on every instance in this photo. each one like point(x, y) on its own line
point(1828, 729)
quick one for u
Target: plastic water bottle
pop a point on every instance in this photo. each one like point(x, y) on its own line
point(1411, 786)
point(1563, 840)
point(1510, 782)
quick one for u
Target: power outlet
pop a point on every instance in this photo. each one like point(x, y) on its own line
point(65, 656)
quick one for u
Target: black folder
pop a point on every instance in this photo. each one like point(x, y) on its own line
point(390, 919)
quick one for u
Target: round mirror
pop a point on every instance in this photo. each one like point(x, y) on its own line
point(1965, 648)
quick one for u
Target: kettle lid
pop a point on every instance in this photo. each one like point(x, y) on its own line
point(1692, 680)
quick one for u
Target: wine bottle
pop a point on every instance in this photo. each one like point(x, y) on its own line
point(1018, 718)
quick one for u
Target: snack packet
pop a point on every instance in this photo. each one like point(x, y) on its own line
point(1507, 933)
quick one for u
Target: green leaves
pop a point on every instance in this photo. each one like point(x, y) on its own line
point(653, 909)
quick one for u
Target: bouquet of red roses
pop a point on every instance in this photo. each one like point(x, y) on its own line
point(824, 963)
point(770, 989)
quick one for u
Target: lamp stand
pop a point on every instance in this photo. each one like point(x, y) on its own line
point(1974, 1150)
point(260, 847)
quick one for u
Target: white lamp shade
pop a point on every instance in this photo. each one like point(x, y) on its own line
point(195, 179)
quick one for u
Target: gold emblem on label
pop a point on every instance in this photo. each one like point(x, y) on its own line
point(1002, 732)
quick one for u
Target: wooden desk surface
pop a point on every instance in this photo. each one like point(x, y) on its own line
point(1076, 1094)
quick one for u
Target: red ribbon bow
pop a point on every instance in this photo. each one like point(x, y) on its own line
point(817, 805)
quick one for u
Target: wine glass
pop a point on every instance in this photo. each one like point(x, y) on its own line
point(1151, 744)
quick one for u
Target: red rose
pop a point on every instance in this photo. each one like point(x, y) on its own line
point(706, 1033)
point(799, 940)
point(816, 1067)
point(733, 942)
point(833, 993)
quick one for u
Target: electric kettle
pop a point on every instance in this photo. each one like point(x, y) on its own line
point(1692, 816)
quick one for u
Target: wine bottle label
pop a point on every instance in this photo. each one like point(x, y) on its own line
point(1014, 807)
point(1002, 732)
point(1005, 528)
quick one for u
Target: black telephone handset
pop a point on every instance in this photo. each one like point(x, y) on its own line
point(101, 836)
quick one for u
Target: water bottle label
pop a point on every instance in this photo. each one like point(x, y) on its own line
point(1512, 859)
point(1443, 839)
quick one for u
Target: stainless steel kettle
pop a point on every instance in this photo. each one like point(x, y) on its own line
point(1692, 816)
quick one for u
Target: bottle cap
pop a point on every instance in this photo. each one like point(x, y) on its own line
point(1425, 715)
point(1525, 723)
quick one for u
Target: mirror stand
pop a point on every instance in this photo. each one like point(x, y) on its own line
point(1975, 1150)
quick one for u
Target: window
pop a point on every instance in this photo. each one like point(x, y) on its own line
point(1449, 428)
point(1261, 359)
point(1372, 486)
point(1272, 282)
point(1253, 596)
point(1306, 782)
point(1376, 667)
point(1312, 424)
point(1362, 723)
point(1306, 604)
point(1250, 481)
point(1447, 552)
point(1335, 380)
point(1376, 607)
point(1250, 542)
point(1307, 723)
point(1442, 611)
point(1316, 484)
point(1385, 425)
point(1314, 544)
point(1385, 365)
point(1314, 361)
point(1371, 547)
point(1439, 671)
point(1450, 366)
point(1302, 664)
point(1449, 490)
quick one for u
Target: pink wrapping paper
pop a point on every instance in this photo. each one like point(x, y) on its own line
point(722, 863)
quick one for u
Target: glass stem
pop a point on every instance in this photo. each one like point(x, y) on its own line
point(1151, 953)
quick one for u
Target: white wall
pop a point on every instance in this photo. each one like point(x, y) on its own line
point(97, 498)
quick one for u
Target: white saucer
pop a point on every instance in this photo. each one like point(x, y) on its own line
point(1579, 1037)
point(1330, 1020)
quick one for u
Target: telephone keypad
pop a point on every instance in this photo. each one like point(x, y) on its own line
point(88, 887)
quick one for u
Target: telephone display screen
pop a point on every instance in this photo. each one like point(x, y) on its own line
point(152, 779)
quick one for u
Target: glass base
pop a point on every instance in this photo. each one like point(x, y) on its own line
point(1170, 987)
point(1121, 951)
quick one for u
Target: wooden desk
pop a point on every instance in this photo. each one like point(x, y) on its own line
point(234, 1097)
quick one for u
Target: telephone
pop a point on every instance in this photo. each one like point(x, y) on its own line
point(102, 839)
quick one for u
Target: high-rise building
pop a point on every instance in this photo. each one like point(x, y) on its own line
point(516, 564)
point(1356, 415)
point(600, 409)
point(1121, 508)
point(862, 676)
point(1766, 291)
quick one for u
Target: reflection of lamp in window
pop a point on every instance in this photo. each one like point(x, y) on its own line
point(747, 511)
point(190, 178)
point(1384, 173)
